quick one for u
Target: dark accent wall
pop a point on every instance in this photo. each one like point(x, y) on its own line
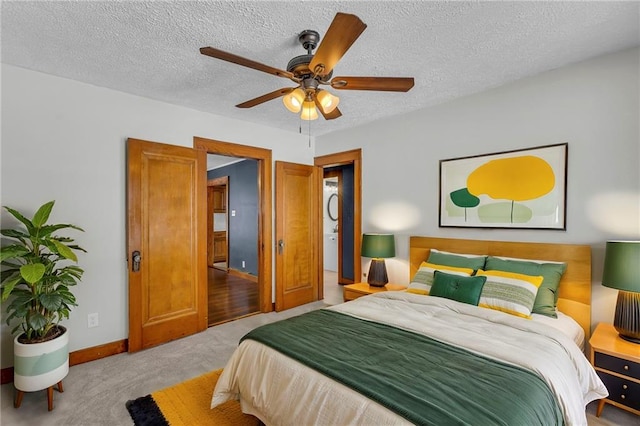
point(347, 221)
point(243, 227)
point(346, 214)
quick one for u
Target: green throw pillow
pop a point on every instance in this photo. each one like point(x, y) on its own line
point(460, 261)
point(455, 287)
point(547, 296)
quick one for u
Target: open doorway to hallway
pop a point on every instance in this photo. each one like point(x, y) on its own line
point(232, 238)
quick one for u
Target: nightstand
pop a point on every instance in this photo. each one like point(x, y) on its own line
point(353, 291)
point(617, 362)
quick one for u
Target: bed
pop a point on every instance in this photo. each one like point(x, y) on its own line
point(400, 357)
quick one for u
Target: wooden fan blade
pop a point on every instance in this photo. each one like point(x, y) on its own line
point(343, 31)
point(230, 57)
point(264, 98)
point(332, 115)
point(329, 116)
point(388, 84)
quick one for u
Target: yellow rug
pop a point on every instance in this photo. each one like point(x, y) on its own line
point(187, 404)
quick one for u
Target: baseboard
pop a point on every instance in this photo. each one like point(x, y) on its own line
point(97, 352)
point(80, 356)
point(6, 375)
point(243, 275)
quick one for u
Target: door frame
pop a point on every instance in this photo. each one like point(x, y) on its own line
point(340, 159)
point(265, 209)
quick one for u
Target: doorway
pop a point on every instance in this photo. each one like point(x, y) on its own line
point(342, 176)
point(263, 274)
point(332, 243)
point(233, 238)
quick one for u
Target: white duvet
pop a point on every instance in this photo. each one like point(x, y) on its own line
point(281, 391)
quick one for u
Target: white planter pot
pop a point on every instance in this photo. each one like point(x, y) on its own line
point(38, 366)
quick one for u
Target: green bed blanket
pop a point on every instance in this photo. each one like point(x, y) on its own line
point(423, 380)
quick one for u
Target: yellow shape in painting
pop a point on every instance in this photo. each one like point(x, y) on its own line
point(518, 178)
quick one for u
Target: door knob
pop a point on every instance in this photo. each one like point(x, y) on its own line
point(135, 257)
point(280, 246)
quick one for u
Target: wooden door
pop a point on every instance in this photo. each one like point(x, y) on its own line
point(220, 199)
point(167, 206)
point(220, 246)
point(297, 239)
point(217, 191)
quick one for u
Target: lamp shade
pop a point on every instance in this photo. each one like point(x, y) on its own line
point(622, 265)
point(378, 245)
point(328, 101)
point(309, 111)
point(293, 101)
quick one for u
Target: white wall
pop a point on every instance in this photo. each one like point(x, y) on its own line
point(592, 105)
point(65, 141)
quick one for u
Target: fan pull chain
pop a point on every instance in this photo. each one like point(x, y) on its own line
point(309, 133)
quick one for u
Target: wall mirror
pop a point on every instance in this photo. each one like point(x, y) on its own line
point(332, 206)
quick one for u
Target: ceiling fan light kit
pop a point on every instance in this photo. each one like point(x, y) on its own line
point(312, 70)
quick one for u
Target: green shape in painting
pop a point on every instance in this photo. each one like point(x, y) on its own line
point(504, 212)
point(463, 198)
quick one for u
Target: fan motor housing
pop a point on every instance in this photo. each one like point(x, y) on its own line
point(299, 66)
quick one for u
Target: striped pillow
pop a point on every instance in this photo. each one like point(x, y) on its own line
point(423, 279)
point(509, 292)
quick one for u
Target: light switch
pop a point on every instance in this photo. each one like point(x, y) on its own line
point(233, 212)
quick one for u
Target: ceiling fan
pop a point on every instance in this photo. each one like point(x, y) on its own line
point(310, 71)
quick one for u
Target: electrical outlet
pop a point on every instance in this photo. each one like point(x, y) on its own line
point(93, 320)
point(243, 264)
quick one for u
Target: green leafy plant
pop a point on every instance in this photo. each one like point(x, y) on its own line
point(37, 272)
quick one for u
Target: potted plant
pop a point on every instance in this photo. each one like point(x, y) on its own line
point(37, 273)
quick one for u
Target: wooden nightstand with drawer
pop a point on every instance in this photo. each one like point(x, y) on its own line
point(353, 291)
point(617, 362)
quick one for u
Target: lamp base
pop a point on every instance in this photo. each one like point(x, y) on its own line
point(627, 316)
point(377, 273)
point(629, 339)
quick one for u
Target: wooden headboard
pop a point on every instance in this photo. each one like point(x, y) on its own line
point(575, 286)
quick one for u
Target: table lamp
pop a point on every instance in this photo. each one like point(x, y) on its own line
point(378, 247)
point(622, 272)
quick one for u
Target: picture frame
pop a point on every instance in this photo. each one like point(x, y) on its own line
point(518, 189)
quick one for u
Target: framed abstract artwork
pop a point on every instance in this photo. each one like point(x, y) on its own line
point(520, 189)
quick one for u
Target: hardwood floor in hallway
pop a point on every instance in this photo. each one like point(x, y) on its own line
point(231, 297)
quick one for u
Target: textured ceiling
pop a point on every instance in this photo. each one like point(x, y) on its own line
point(452, 48)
